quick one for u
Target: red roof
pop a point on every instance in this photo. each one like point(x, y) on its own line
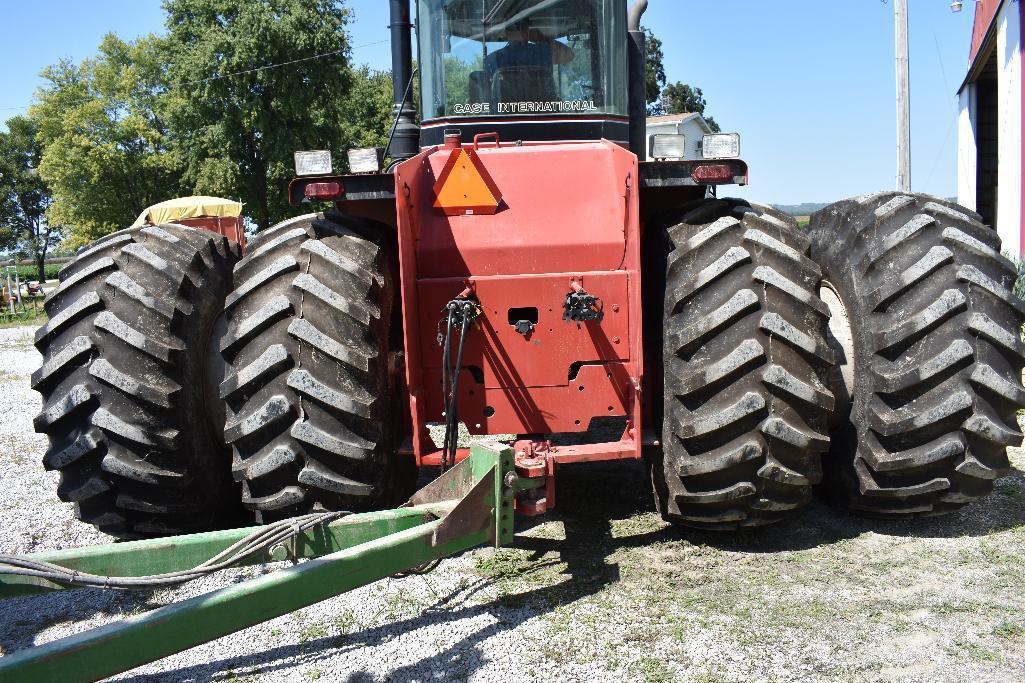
point(985, 12)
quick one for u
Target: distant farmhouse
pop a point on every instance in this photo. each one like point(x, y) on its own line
point(990, 136)
point(692, 126)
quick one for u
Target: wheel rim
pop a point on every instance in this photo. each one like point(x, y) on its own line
point(840, 338)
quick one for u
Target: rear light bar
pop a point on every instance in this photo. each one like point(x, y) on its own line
point(712, 173)
point(325, 191)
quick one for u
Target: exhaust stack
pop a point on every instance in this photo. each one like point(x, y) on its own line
point(638, 93)
point(406, 136)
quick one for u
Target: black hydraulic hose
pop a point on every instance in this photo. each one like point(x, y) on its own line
point(446, 358)
point(462, 312)
point(259, 541)
point(446, 384)
point(451, 414)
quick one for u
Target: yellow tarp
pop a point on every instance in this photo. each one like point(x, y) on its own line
point(189, 207)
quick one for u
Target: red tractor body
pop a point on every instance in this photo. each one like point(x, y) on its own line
point(565, 219)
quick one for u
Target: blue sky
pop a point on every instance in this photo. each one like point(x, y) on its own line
point(809, 84)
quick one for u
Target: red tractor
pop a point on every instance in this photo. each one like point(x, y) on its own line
point(519, 268)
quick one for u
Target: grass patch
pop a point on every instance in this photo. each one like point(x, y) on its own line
point(654, 671)
point(1009, 630)
point(346, 623)
point(28, 272)
point(973, 651)
point(29, 318)
point(1012, 491)
point(1019, 284)
point(312, 632)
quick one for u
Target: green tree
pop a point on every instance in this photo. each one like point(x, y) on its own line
point(238, 133)
point(366, 116)
point(680, 98)
point(24, 196)
point(655, 71)
point(106, 144)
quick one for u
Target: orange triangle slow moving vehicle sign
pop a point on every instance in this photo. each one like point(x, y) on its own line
point(465, 188)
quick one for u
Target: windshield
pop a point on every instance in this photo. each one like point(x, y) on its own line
point(516, 57)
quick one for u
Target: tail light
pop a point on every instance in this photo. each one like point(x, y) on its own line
point(324, 191)
point(712, 173)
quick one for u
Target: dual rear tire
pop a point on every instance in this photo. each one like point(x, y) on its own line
point(923, 301)
point(313, 385)
point(127, 401)
point(879, 356)
point(745, 405)
point(184, 389)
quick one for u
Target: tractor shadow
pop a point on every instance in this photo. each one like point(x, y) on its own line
point(603, 510)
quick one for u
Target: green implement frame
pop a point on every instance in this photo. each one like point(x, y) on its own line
point(468, 506)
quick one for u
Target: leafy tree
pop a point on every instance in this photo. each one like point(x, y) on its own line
point(655, 72)
point(237, 133)
point(106, 142)
point(366, 114)
point(24, 197)
point(680, 98)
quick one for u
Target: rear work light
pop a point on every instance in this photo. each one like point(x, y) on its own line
point(366, 160)
point(721, 146)
point(324, 191)
point(712, 173)
point(313, 163)
point(667, 146)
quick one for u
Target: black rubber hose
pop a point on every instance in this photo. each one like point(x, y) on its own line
point(260, 540)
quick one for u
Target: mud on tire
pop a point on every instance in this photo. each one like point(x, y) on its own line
point(935, 372)
point(123, 380)
point(312, 385)
point(745, 407)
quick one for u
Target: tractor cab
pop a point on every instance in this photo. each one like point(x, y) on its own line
point(533, 70)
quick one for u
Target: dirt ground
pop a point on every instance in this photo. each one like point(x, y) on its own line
point(603, 590)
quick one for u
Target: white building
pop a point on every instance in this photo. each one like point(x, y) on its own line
point(989, 159)
point(691, 126)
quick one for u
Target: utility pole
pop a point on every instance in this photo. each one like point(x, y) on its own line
point(903, 98)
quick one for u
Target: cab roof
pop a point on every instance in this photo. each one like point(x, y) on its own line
point(555, 18)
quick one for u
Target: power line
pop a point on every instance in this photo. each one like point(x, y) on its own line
point(250, 71)
point(281, 64)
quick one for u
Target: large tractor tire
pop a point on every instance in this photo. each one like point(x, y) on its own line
point(929, 332)
point(126, 401)
point(744, 357)
point(314, 384)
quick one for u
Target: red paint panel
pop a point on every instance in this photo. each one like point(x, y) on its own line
point(569, 211)
point(229, 227)
point(563, 208)
point(507, 358)
point(598, 391)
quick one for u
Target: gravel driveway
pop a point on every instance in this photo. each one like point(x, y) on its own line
point(602, 590)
